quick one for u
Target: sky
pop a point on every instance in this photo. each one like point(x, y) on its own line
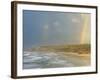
point(51, 28)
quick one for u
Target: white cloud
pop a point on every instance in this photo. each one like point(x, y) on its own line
point(46, 27)
point(56, 23)
point(75, 20)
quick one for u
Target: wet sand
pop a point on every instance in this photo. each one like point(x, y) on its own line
point(77, 59)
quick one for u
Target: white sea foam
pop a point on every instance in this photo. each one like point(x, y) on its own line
point(43, 60)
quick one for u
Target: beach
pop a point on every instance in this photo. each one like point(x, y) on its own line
point(44, 59)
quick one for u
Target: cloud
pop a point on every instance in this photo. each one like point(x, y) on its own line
point(56, 23)
point(46, 27)
point(74, 20)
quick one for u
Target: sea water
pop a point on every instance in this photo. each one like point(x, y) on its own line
point(44, 60)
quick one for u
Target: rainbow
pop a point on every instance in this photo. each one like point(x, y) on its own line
point(83, 35)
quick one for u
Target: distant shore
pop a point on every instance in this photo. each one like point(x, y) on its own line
point(80, 48)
